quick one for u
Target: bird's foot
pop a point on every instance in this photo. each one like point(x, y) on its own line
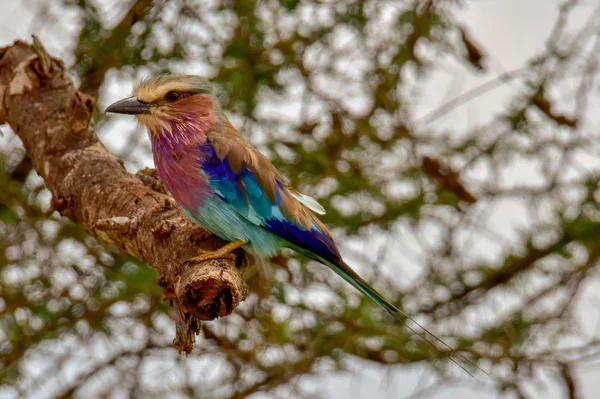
point(223, 252)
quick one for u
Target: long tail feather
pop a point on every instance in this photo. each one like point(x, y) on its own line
point(348, 274)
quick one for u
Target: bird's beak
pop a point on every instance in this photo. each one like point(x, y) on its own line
point(129, 106)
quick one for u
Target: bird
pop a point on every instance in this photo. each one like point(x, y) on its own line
point(227, 187)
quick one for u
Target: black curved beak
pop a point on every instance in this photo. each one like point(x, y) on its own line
point(129, 106)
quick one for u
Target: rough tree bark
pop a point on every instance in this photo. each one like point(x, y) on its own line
point(92, 188)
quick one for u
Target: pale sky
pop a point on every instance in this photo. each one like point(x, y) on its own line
point(511, 31)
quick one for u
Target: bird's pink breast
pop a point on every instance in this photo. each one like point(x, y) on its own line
point(177, 148)
point(178, 166)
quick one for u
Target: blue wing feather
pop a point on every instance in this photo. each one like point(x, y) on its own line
point(224, 181)
point(257, 199)
point(243, 192)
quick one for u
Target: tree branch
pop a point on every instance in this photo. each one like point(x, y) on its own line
point(92, 188)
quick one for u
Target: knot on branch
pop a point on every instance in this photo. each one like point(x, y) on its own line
point(121, 224)
point(150, 178)
point(43, 67)
point(163, 229)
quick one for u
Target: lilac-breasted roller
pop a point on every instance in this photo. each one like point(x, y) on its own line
point(224, 184)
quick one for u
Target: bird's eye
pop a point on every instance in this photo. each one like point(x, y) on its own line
point(172, 95)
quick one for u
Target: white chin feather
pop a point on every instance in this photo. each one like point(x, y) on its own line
point(310, 203)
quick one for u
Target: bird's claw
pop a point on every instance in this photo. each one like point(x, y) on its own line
point(222, 253)
point(212, 255)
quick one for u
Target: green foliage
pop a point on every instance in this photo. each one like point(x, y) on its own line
point(328, 91)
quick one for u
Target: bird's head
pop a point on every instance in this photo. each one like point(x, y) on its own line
point(163, 102)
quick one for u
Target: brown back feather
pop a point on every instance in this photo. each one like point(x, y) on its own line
point(228, 143)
